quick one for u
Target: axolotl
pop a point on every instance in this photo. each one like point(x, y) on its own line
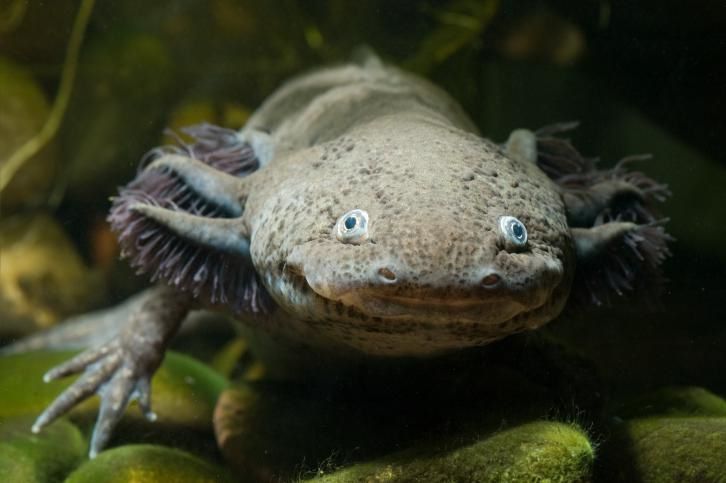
point(359, 214)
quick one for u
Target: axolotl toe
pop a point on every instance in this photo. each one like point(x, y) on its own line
point(359, 214)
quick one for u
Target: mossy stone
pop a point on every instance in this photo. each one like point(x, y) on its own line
point(42, 276)
point(147, 463)
point(184, 392)
point(22, 390)
point(29, 457)
point(274, 429)
point(191, 390)
point(279, 429)
point(675, 401)
point(656, 449)
point(537, 451)
point(270, 434)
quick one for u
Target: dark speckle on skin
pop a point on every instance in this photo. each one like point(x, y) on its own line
point(434, 193)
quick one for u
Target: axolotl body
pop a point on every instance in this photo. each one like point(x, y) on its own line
point(360, 214)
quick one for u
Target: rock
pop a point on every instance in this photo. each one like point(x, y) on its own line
point(538, 451)
point(676, 433)
point(22, 390)
point(42, 277)
point(675, 401)
point(23, 111)
point(276, 441)
point(187, 392)
point(32, 458)
point(149, 464)
point(278, 429)
point(184, 392)
point(657, 449)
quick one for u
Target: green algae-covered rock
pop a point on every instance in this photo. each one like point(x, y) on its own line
point(658, 449)
point(188, 391)
point(538, 451)
point(275, 429)
point(149, 464)
point(675, 401)
point(269, 433)
point(22, 390)
point(676, 433)
point(184, 392)
point(43, 457)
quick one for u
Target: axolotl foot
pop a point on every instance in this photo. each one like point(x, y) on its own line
point(120, 370)
point(109, 372)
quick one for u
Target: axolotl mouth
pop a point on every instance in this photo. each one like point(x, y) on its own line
point(374, 304)
point(486, 297)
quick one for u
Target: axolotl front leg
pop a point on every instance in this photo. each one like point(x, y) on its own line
point(181, 220)
point(120, 370)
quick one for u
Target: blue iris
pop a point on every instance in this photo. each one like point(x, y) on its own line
point(350, 222)
point(518, 231)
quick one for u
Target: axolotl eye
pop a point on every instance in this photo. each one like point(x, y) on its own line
point(515, 234)
point(352, 227)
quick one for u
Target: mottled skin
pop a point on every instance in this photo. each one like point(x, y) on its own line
point(401, 149)
point(439, 245)
point(367, 137)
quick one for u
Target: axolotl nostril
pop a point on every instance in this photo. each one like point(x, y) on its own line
point(359, 214)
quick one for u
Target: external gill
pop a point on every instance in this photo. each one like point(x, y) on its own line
point(618, 237)
point(180, 219)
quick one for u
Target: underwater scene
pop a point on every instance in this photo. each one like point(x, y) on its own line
point(338, 241)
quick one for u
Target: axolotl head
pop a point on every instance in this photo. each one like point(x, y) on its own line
point(410, 237)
